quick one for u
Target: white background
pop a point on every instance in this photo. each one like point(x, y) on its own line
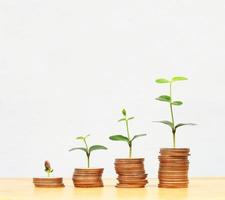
point(67, 68)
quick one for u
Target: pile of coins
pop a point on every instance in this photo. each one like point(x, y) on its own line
point(48, 182)
point(173, 169)
point(131, 173)
point(88, 177)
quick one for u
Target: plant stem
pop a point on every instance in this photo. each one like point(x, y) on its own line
point(128, 135)
point(172, 116)
point(88, 153)
point(85, 144)
point(130, 150)
point(88, 161)
point(174, 140)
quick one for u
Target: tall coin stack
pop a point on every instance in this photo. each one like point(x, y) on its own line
point(131, 173)
point(86, 178)
point(173, 169)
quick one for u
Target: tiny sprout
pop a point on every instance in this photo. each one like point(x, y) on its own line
point(87, 149)
point(169, 99)
point(48, 168)
point(127, 139)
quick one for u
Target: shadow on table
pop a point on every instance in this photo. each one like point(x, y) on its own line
point(131, 194)
point(171, 194)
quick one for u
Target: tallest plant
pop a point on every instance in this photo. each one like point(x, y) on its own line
point(173, 162)
point(169, 99)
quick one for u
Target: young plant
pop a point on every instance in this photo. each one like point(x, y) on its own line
point(87, 149)
point(129, 140)
point(48, 168)
point(169, 99)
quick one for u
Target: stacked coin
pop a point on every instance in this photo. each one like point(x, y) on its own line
point(48, 182)
point(89, 177)
point(173, 169)
point(131, 173)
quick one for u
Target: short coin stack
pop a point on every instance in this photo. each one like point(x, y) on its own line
point(89, 177)
point(173, 169)
point(48, 182)
point(131, 173)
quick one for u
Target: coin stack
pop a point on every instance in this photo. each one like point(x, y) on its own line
point(87, 178)
point(131, 173)
point(173, 169)
point(48, 182)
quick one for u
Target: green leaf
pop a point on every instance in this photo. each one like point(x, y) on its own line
point(184, 124)
point(137, 136)
point(179, 78)
point(122, 119)
point(130, 118)
point(119, 138)
point(124, 112)
point(165, 98)
point(79, 148)
point(97, 147)
point(177, 103)
point(170, 124)
point(162, 80)
point(82, 137)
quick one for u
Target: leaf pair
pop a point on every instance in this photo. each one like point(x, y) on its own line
point(125, 119)
point(82, 137)
point(174, 79)
point(49, 170)
point(125, 139)
point(166, 98)
point(89, 150)
point(172, 126)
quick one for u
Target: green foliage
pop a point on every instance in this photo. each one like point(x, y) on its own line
point(79, 148)
point(170, 124)
point(177, 103)
point(82, 137)
point(162, 80)
point(169, 99)
point(124, 112)
point(87, 149)
point(184, 124)
point(119, 138)
point(137, 136)
point(165, 98)
point(178, 78)
point(97, 147)
point(127, 138)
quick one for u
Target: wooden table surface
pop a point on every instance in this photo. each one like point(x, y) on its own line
point(200, 189)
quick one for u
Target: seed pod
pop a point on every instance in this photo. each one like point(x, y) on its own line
point(47, 166)
point(124, 112)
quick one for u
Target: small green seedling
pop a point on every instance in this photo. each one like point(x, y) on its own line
point(87, 149)
point(169, 99)
point(48, 168)
point(127, 139)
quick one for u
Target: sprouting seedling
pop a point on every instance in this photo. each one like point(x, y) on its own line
point(48, 168)
point(87, 149)
point(169, 99)
point(127, 139)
